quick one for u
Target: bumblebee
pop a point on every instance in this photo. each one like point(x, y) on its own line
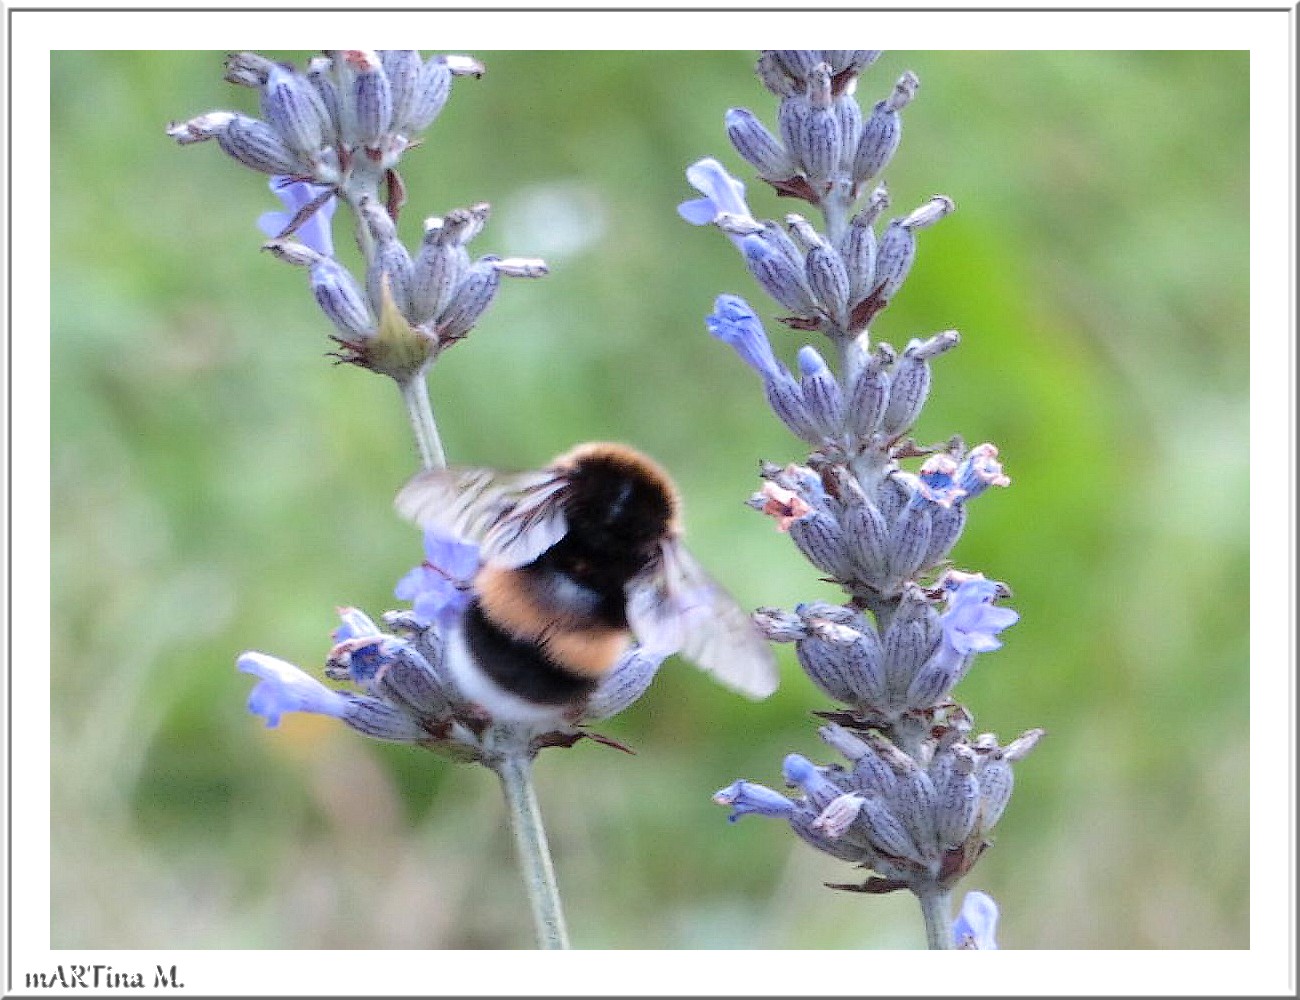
point(577, 559)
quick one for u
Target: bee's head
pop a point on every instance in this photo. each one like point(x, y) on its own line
point(619, 497)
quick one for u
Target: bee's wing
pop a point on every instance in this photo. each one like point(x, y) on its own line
point(513, 517)
point(675, 605)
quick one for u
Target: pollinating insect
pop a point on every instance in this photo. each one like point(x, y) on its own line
point(577, 559)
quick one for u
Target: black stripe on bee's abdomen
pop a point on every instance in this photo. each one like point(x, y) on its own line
point(518, 666)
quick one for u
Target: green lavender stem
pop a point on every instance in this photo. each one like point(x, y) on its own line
point(415, 393)
point(936, 908)
point(514, 765)
point(516, 773)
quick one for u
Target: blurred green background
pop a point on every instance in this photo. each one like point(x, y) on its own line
point(220, 487)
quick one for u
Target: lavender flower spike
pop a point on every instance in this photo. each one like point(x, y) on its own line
point(977, 923)
point(920, 797)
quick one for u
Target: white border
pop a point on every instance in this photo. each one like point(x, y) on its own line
point(1265, 968)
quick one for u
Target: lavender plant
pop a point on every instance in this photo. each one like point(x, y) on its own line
point(333, 133)
point(918, 797)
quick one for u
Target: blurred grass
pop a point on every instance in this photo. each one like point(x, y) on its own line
point(221, 487)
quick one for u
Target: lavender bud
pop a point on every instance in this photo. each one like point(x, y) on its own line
point(908, 389)
point(773, 76)
point(866, 668)
point(996, 781)
point(623, 684)
point(778, 276)
point(867, 539)
point(381, 720)
point(430, 97)
point(958, 793)
point(858, 251)
point(823, 658)
point(849, 119)
point(869, 393)
point(946, 525)
point(370, 98)
point(201, 128)
point(757, 145)
point(894, 256)
point(255, 144)
point(908, 542)
point(905, 650)
point(820, 539)
point(293, 108)
point(248, 69)
point(801, 822)
point(780, 238)
point(391, 265)
point(320, 77)
point(786, 400)
point(883, 131)
point(821, 393)
point(890, 498)
point(886, 833)
point(340, 299)
point(851, 60)
point(802, 235)
point(402, 67)
point(409, 679)
point(436, 273)
point(914, 802)
point(876, 778)
point(471, 298)
point(797, 64)
point(829, 280)
point(811, 135)
point(818, 143)
point(933, 681)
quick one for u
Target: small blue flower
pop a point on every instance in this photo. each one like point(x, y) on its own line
point(722, 194)
point(971, 623)
point(315, 232)
point(936, 482)
point(356, 624)
point(980, 470)
point(734, 322)
point(800, 771)
point(977, 923)
point(360, 647)
point(282, 687)
point(745, 797)
point(439, 589)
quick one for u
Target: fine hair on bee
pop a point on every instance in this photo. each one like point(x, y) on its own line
point(577, 560)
